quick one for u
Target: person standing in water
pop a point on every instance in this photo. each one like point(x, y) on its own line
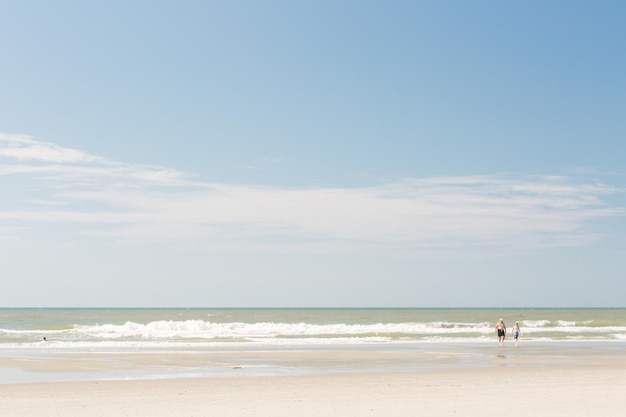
point(516, 332)
point(501, 330)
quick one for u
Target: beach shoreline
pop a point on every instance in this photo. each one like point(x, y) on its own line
point(45, 363)
point(572, 391)
point(534, 379)
point(289, 363)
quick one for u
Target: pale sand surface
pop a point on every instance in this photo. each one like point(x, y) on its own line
point(585, 388)
point(538, 381)
point(569, 391)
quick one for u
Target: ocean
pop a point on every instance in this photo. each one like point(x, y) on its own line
point(147, 343)
point(77, 327)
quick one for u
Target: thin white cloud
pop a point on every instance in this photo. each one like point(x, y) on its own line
point(129, 202)
point(25, 148)
point(25, 155)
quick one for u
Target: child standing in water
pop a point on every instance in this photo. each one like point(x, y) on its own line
point(516, 332)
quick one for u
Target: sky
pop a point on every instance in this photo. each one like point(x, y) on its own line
point(312, 154)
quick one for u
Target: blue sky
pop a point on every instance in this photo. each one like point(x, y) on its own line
point(251, 154)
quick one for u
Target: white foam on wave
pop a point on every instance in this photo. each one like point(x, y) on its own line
point(163, 332)
point(535, 323)
point(209, 330)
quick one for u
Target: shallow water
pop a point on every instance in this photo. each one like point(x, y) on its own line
point(46, 363)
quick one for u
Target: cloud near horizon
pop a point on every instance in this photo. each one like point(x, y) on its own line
point(139, 203)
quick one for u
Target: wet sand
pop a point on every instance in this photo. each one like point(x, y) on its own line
point(574, 381)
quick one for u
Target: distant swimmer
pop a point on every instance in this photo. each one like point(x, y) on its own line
point(45, 339)
point(516, 332)
point(501, 330)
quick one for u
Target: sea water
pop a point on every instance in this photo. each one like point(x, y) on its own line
point(26, 327)
point(265, 341)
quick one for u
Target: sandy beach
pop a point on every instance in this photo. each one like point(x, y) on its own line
point(475, 392)
point(587, 383)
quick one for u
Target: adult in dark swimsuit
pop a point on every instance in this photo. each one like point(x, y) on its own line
point(501, 330)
